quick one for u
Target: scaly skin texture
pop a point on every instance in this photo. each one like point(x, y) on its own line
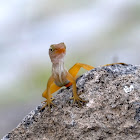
point(60, 76)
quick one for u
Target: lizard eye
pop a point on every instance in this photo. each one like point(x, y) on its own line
point(51, 49)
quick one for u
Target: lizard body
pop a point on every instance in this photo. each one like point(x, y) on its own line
point(60, 76)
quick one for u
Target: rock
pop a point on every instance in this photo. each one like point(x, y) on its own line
point(111, 113)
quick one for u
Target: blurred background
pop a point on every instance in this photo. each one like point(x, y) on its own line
point(96, 32)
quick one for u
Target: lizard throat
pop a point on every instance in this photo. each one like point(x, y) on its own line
point(59, 73)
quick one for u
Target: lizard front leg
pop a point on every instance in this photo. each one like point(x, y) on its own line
point(47, 93)
point(75, 97)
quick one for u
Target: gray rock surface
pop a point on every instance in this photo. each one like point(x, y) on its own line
point(111, 113)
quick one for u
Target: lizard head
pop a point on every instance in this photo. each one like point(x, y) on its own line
point(57, 52)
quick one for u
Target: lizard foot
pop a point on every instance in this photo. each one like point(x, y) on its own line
point(48, 103)
point(77, 99)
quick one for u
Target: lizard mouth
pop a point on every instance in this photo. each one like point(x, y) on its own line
point(61, 51)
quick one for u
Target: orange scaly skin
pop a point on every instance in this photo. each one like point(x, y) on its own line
point(60, 76)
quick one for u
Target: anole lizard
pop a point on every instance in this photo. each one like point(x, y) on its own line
point(60, 76)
